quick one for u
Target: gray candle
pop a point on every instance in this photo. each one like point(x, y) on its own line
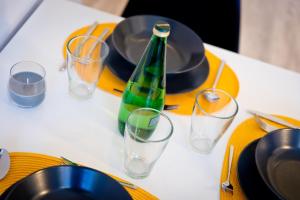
point(27, 84)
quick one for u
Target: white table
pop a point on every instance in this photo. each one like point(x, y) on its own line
point(12, 16)
point(86, 131)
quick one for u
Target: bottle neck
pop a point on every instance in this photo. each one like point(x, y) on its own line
point(151, 69)
point(156, 51)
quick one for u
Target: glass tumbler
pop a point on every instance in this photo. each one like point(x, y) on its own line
point(85, 56)
point(213, 112)
point(147, 134)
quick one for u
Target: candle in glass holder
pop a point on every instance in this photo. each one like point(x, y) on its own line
point(27, 85)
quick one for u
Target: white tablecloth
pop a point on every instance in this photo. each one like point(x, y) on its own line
point(86, 131)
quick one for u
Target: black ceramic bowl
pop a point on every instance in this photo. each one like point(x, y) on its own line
point(278, 161)
point(249, 178)
point(66, 183)
point(187, 66)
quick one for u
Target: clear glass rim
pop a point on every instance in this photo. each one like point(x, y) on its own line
point(151, 141)
point(211, 115)
point(32, 62)
point(96, 40)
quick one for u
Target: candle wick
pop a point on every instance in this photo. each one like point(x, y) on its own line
point(27, 81)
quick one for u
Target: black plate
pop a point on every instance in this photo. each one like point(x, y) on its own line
point(250, 181)
point(278, 162)
point(6, 192)
point(187, 66)
point(175, 83)
point(67, 183)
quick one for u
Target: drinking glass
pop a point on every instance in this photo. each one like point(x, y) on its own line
point(211, 118)
point(147, 134)
point(85, 56)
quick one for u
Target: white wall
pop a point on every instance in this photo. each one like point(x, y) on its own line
point(270, 31)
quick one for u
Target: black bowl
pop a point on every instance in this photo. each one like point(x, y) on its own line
point(277, 158)
point(249, 178)
point(187, 66)
point(67, 183)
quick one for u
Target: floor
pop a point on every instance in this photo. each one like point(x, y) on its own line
point(270, 29)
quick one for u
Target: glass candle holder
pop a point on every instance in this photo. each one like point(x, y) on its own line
point(26, 86)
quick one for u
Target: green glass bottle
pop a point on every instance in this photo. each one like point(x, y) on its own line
point(147, 84)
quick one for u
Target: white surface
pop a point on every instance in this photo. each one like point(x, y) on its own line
point(12, 16)
point(86, 131)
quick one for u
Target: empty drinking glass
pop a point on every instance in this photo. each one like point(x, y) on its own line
point(147, 134)
point(210, 119)
point(85, 56)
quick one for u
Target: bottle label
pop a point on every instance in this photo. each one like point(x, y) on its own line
point(153, 121)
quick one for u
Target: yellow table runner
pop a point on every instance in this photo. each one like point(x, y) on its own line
point(243, 135)
point(108, 81)
point(23, 164)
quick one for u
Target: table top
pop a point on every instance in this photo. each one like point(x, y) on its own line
point(86, 131)
point(12, 21)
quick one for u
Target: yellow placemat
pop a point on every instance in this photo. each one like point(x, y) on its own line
point(108, 81)
point(244, 134)
point(23, 164)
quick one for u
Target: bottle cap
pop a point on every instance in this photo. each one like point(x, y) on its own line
point(161, 29)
